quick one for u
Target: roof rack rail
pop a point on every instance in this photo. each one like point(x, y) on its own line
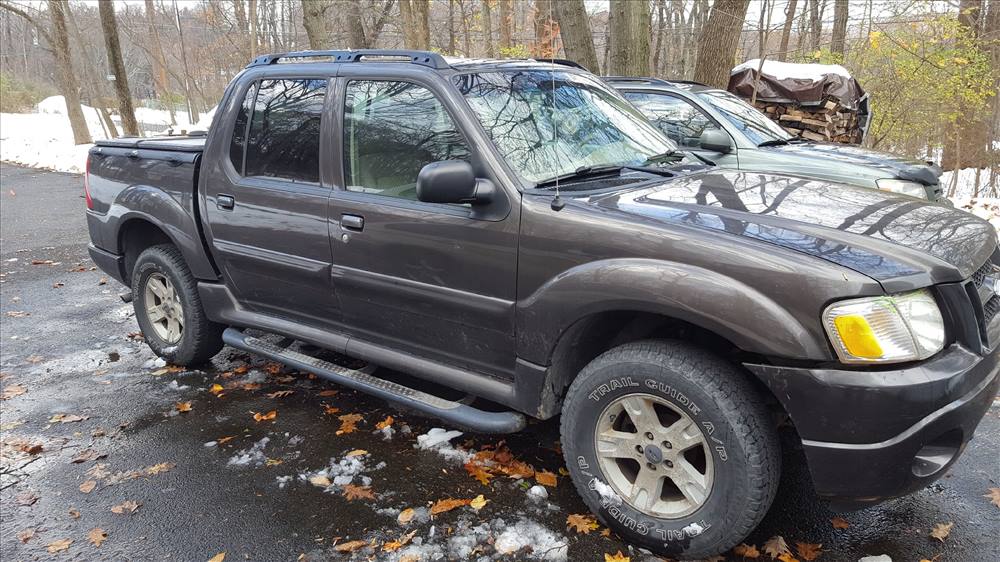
point(564, 62)
point(691, 82)
point(424, 58)
point(643, 79)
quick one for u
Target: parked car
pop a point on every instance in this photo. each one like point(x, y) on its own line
point(518, 231)
point(734, 134)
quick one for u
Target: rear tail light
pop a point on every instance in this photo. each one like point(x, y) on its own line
point(86, 185)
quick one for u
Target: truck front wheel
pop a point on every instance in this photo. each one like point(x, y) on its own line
point(671, 447)
point(168, 308)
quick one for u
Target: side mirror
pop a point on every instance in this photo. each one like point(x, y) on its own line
point(452, 181)
point(716, 140)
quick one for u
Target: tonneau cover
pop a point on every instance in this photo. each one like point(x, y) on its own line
point(176, 143)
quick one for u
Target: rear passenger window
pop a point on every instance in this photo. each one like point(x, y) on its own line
point(283, 141)
point(240, 130)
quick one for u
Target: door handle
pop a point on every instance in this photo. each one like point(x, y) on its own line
point(225, 202)
point(353, 222)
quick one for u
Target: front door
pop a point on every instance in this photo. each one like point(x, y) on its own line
point(265, 203)
point(435, 280)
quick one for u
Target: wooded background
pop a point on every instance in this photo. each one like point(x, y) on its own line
point(930, 66)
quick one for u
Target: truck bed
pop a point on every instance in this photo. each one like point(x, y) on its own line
point(177, 143)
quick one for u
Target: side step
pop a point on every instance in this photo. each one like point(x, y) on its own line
point(455, 412)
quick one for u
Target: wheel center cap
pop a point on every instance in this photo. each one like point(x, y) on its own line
point(653, 454)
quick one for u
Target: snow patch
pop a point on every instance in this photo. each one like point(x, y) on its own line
point(544, 543)
point(879, 558)
point(439, 440)
point(347, 470)
point(693, 530)
point(784, 70)
point(607, 493)
point(538, 493)
point(254, 456)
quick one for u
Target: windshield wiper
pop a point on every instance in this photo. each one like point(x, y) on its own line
point(773, 142)
point(674, 156)
point(583, 172)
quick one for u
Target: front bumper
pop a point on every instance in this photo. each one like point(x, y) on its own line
point(873, 435)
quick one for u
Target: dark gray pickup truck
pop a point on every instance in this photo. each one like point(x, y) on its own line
point(517, 231)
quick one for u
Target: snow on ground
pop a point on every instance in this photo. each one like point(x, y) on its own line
point(45, 139)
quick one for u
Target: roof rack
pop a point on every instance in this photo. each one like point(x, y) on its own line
point(424, 58)
point(645, 80)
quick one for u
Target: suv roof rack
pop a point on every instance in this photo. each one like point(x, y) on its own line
point(424, 58)
point(564, 62)
point(650, 80)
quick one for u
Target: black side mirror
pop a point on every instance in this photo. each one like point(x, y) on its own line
point(716, 140)
point(452, 181)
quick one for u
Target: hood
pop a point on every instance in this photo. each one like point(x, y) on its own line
point(883, 235)
point(893, 165)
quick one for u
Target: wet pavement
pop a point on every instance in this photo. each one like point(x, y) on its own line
point(80, 384)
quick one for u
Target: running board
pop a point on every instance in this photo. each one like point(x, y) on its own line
point(455, 412)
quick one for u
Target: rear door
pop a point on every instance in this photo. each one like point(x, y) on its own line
point(265, 203)
point(435, 280)
point(681, 121)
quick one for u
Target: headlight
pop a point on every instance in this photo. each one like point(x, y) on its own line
point(911, 188)
point(890, 329)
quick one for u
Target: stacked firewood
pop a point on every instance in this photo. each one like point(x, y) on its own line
point(828, 122)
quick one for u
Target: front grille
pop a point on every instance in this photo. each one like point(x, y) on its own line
point(981, 287)
point(990, 309)
point(979, 277)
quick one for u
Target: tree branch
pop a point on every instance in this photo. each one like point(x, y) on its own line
point(28, 17)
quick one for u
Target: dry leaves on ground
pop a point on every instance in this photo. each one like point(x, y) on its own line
point(941, 531)
point(994, 496)
point(352, 492)
point(12, 390)
point(326, 393)
point(776, 546)
point(330, 410)
point(839, 523)
point(405, 516)
point(320, 481)
point(356, 453)
point(270, 416)
point(218, 557)
point(616, 557)
point(746, 551)
point(350, 546)
point(74, 513)
point(441, 506)
point(478, 502)
point(18, 314)
point(225, 439)
point(384, 423)
point(96, 536)
point(26, 535)
point(88, 486)
point(581, 523)
point(488, 463)
point(59, 545)
point(808, 551)
point(183, 407)
point(128, 506)
point(280, 394)
point(216, 389)
point(26, 498)
point(546, 478)
point(393, 546)
point(67, 418)
point(87, 455)
point(349, 423)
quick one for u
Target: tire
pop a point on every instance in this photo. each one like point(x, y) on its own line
point(198, 339)
point(733, 471)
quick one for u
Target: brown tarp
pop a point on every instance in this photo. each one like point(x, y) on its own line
point(802, 91)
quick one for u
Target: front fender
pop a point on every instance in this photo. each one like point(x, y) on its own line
point(723, 305)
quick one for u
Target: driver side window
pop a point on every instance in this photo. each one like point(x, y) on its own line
point(391, 131)
point(682, 122)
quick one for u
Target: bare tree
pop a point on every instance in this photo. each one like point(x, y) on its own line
point(109, 24)
point(574, 29)
point(364, 34)
point(317, 18)
point(159, 61)
point(546, 29)
point(506, 24)
point(630, 31)
point(718, 42)
point(415, 16)
point(786, 32)
point(838, 41)
point(488, 28)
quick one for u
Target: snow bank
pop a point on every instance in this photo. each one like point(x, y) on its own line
point(784, 70)
point(965, 183)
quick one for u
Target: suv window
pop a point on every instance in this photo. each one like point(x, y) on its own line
point(391, 131)
point(238, 143)
point(675, 117)
point(283, 141)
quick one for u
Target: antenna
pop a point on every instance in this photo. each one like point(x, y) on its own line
point(557, 203)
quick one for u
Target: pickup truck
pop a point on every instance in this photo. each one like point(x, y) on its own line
point(734, 134)
point(516, 230)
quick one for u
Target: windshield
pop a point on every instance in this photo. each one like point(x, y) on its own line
point(754, 124)
point(551, 123)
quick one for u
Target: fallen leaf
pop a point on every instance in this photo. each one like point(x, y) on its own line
point(330, 410)
point(994, 496)
point(87, 455)
point(26, 535)
point(326, 393)
point(787, 557)
point(352, 492)
point(349, 423)
point(808, 551)
point(581, 523)
point(442, 506)
point(356, 453)
point(218, 557)
point(280, 394)
point(776, 546)
point(226, 439)
point(34, 359)
point(183, 407)
point(616, 557)
point(320, 481)
point(26, 498)
point(478, 502)
point(350, 546)
point(839, 523)
point(746, 551)
point(74, 513)
point(384, 423)
point(128, 506)
point(546, 478)
point(18, 314)
point(59, 546)
point(258, 417)
point(29, 448)
point(102, 281)
point(941, 531)
point(158, 468)
point(405, 516)
point(273, 462)
point(478, 472)
point(216, 389)
point(96, 536)
point(66, 418)
point(393, 546)
point(88, 486)
point(12, 390)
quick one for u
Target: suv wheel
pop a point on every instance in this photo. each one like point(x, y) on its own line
point(168, 308)
point(671, 447)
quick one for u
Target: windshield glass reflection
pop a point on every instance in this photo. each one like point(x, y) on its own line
point(754, 124)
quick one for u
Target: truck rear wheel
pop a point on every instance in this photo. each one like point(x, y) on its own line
point(168, 308)
point(671, 447)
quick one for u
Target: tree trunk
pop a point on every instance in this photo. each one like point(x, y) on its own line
point(317, 18)
point(488, 29)
point(815, 24)
point(64, 67)
point(422, 15)
point(188, 98)
point(94, 83)
point(967, 128)
point(159, 62)
point(630, 30)
point(661, 27)
point(452, 44)
point(506, 24)
point(110, 26)
point(718, 41)
point(574, 29)
point(838, 42)
point(254, 31)
point(545, 29)
point(356, 26)
point(786, 33)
